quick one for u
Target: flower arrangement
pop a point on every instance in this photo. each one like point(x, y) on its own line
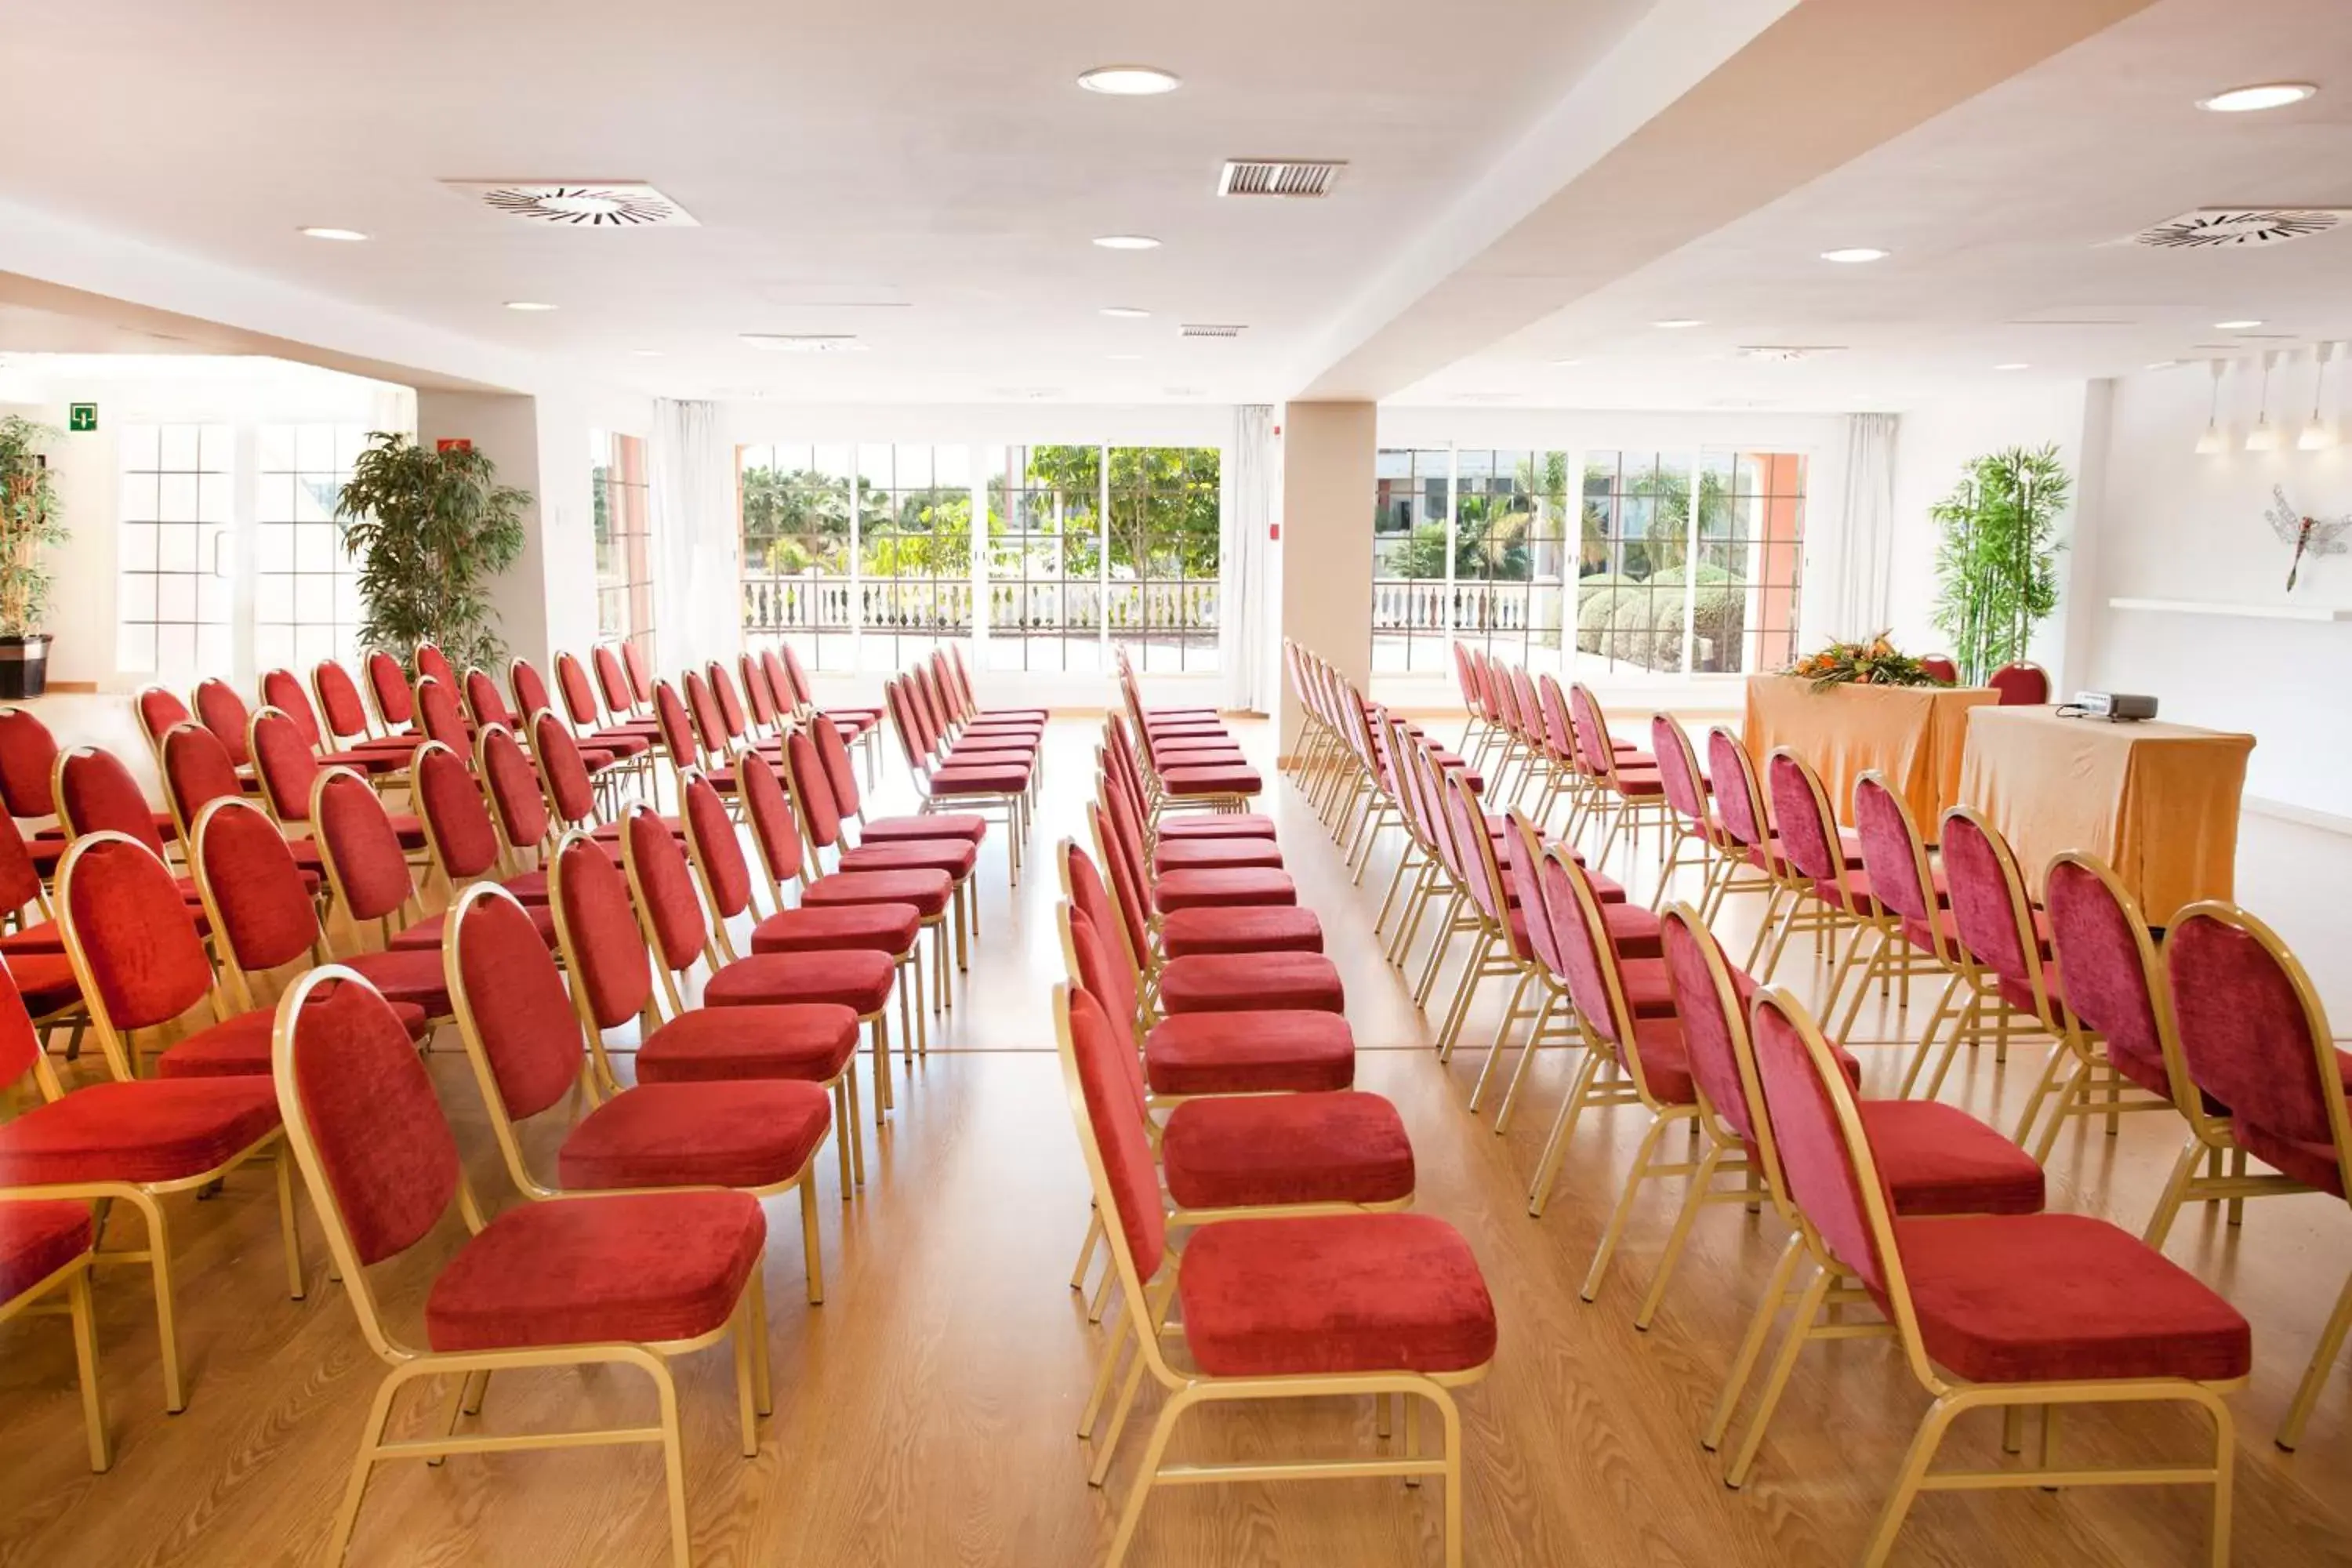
point(1872, 661)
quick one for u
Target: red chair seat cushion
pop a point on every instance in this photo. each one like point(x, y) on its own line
point(1224, 780)
point(640, 1267)
point(1665, 1059)
point(369, 760)
point(992, 780)
point(529, 887)
point(1937, 1159)
point(1251, 981)
point(810, 1041)
point(1333, 1294)
point(989, 753)
point(1649, 989)
point(239, 1047)
point(46, 982)
point(1634, 929)
point(1263, 927)
point(46, 936)
point(620, 743)
point(856, 979)
point(1201, 854)
point(1194, 890)
point(410, 975)
point(426, 932)
point(159, 1130)
point(2035, 1298)
point(879, 928)
point(1636, 782)
point(930, 825)
point(697, 1135)
point(927, 890)
point(37, 1239)
point(1216, 824)
point(609, 832)
point(1249, 1053)
point(956, 857)
point(1259, 1149)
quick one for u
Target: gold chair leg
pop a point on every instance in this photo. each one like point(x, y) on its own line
point(1809, 1306)
point(810, 1252)
point(1563, 1127)
point(93, 1403)
point(1924, 1444)
point(2323, 1363)
point(1752, 1344)
point(1615, 1230)
point(1679, 1237)
point(2176, 1185)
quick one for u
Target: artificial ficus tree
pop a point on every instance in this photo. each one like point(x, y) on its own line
point(30, 524)
point(429, 530)
point(1997, 563)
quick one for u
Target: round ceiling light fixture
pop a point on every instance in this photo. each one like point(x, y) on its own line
point(342, 234)
point(2241, 326)
point(1130, 81)
point(1127, 242)
point(1853, 255)
point(1676, 324)
point(2014, 364)
point(2262, 96)
point(1126, 313)
point(1122, 356)
point(529, 305)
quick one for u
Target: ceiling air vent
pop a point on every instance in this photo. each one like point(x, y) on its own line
point(1210, 330)
point(2208, 227)
point(1296, 179)
point(1787, 353)
point(578, 203)
point(804, 343)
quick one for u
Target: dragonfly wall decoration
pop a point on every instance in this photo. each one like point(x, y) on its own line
point(2309, 535)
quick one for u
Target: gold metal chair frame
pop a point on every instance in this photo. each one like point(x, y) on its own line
point(961, 916)
point(1632, 811)
point(72, 1280)
point(1556, 1021)
point(410, 910)
point(1011, 806)
point(1982, 989)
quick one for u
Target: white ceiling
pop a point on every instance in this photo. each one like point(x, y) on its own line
point(2003, 215)
point(896, 150)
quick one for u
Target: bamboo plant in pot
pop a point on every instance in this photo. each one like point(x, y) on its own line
point(28, 525)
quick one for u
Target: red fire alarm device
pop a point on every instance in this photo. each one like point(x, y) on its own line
point(453, 444)
point(1273, 531)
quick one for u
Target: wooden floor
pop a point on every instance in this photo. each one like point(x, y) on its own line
point(924, 1413)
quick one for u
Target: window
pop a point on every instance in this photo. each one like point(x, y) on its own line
point(915, 520)
point(176, 568)
point(1510, 545)
point(1045, 583)
point(1752, 555)
point(1166, 528)
point(1411, 509)
point(1633, 607)
point(625, 555)
point(306, 592)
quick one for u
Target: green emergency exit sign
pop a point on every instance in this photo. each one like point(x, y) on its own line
point(81, 417)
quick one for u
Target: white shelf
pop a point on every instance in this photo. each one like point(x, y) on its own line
point(2252, 611)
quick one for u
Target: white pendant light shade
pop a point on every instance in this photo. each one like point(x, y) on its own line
point(2318, 435)
point(2264, 435)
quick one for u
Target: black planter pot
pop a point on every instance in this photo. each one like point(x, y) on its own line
point(24, 666)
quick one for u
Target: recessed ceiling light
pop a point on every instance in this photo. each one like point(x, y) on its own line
point(1568, 361)
point(2235, 326)
point(1130, 81)
point(1855, 253)
point(1127, 242)
point(2266, 95)
point(2160, 364)
point(1126, 313)
point(646, 353)
point(334, 234)
point(2013, 364)
point(1122, 356)
point(802, 342)
point(529, 305)
point(1676, 323)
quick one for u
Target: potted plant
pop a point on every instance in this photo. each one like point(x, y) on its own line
point(28, 525)
point(1997, 564)
point(429, 529)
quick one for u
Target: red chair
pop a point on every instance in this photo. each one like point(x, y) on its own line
point(344, 711)
point(2022, 684)
point(197, 772)
point(2004, 963)
point(373, 886)
point(395, 702)
point(625, 1279)
point(289, 769)
point(612, 681)
point(1941, 668)
point(640, 673)
point(1342, 1305)
point(160, 711)
point(1753, 853)
point(1814, 866)
point(2256, 1039)
point(440, 717)
point(840, 775)
point(432, 664)
point(47, 1249)
point(796, 698)
point(220, 710)
point(820, 820)
point(282, 690)
point(91, 791)
point(24, 901)
point(1905, 901)
point(617, 733)
point(758, 1135)
point(139, 1140)
point(977, 790)
point(1992, 1312)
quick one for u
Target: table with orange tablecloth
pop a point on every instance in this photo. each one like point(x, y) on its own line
point(2157, 802)
point(1911, 734)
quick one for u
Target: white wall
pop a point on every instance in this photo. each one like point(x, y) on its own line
point(2174, 525)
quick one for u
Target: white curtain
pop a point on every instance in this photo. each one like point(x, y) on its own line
point(1251, 475)
point(696, 536)
point(1862, 587)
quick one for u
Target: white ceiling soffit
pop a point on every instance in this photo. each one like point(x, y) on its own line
point(1816, 85)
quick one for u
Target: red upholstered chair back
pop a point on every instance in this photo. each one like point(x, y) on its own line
point(1941, 666)
point(902, 725)
point(611, 680)
point(1462, 676)
point(1892, 855)
point(1526, 881)
point(340, 704)
point(1506, 699)
point(756, 691)
point(96, 793)
point(464, 838)
point(1587, 959)
point(142, 960)
point(640, 673)
point(282, 690)
point(603, 947)
point(770, 814)
point(507, 773)
point(485, 701)
point(1106, 977)
point(389, 682)
point(1126, 879)
point(220, 710)
point(840, 773)
point(252, 887)
point(779, 681)
point(565, 774)
point(1482, 669)
point(529, 686)
point(1824, 1160)
point(667, 903)
point(432, 662)
point(1809, 831)
point(2020, 685)
point(579, 696)
point(159, 712)
point(196, 770)
point(20, 1043)
point(349, 1077)
point(812, 791)
point(717, 853)
point(1122, 1151)
point(1593, 747)
point(284, 762)
point(1706, 1000)
point(511, 998)
point(356, 839)
point(962, 679)
point(728, 704)
point(925, 705)
point(1991, 912)
point(438, 713)
point(20, 879)
point(1738, 796)
point(676, 729)
point(2114, 983)
point(1481, 876)
point(28, 757)
point(1678, 769)
point(2256, 1039)
point(1527, 707)
point(796, 677)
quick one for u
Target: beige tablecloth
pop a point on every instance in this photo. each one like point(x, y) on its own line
point(1911, 735)
point(2157, 802)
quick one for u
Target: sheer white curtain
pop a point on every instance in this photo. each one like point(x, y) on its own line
point(1860, 598)
point(697, 535)
point(1250, 474)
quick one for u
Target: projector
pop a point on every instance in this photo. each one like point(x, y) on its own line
point(2116, 707)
